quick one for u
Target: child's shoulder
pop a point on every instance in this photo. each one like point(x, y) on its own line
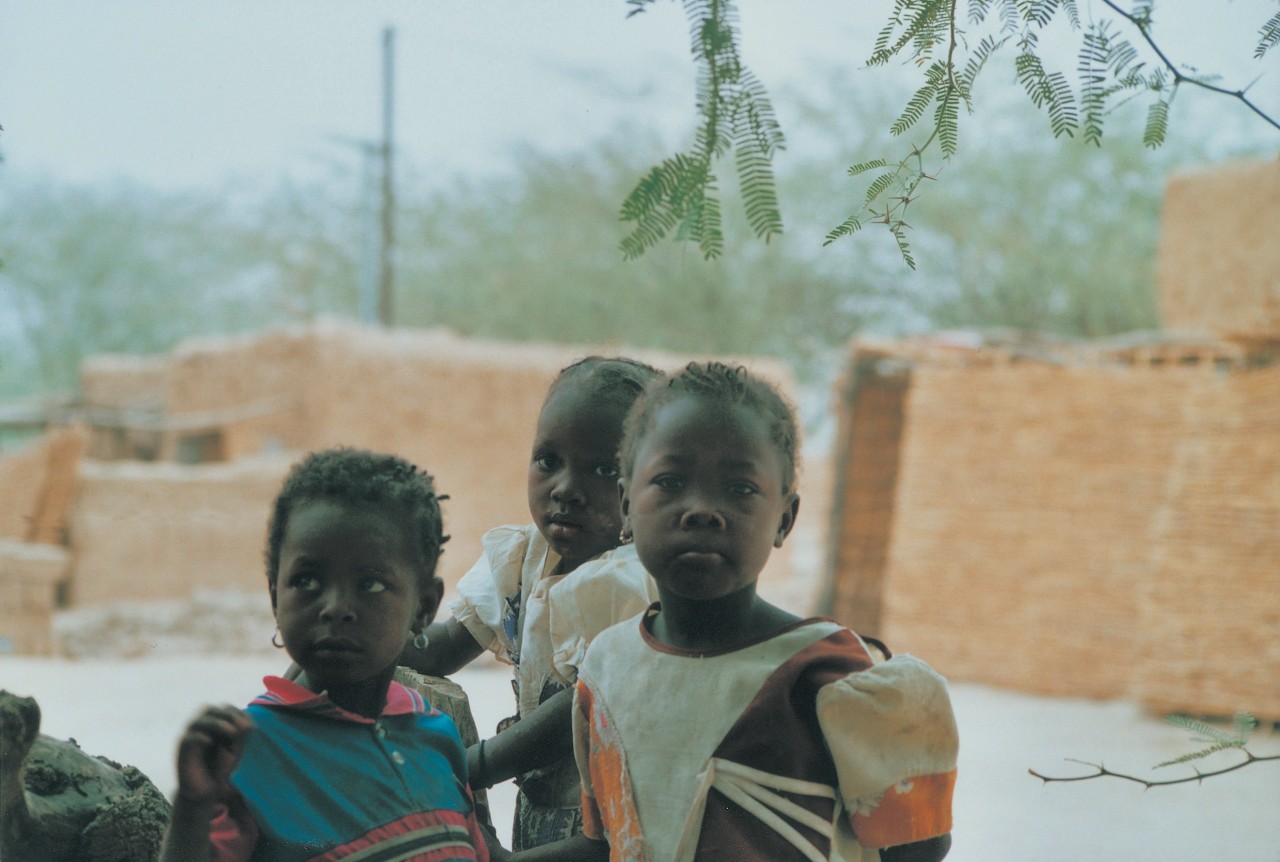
point(613, 580)
point(511, 549)
point(620, 560)
point(508, 535)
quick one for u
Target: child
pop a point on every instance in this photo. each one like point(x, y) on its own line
point(717, 726)
point(519, 602)
point(343, 762)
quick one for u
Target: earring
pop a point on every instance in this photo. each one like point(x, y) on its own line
point(421, 641)
point(625, 537)
point(275, 639)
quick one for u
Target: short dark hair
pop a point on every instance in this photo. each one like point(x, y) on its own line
point(731, 385)
point(617, 378)
point(359, 477)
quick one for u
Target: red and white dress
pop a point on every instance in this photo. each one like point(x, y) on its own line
point(797, 746)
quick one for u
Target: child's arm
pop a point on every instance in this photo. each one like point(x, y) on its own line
point(207, 753)
point(540, 738)
point(929, 850)
point(450, 647)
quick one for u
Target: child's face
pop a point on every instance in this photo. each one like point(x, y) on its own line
point(705, 500)
point(347, 597)
point(573, 474)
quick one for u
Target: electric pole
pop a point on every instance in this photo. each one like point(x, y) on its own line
point(386, 279)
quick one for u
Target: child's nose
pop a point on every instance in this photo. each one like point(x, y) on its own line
point(701, 516)
point(566, 488)
point(337, 605)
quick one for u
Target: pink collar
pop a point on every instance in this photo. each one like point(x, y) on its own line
point(288, 694)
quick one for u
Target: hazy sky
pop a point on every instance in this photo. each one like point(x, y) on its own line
point(182, 93)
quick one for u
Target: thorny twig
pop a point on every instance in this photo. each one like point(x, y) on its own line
point(1103, 772)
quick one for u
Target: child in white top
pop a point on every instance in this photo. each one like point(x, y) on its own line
point(717, 726)
point(541, 591)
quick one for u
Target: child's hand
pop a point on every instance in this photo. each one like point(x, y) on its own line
point(209, 751)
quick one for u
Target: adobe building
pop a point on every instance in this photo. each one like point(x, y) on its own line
point(1098, 520)
point(159, 483)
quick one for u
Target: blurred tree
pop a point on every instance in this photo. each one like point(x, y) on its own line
point(530, 257)
point(1026, 233)
point(103, 270)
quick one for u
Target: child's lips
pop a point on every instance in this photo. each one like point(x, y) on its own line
point(332, 646)
point(563, 529)
point(699, 557)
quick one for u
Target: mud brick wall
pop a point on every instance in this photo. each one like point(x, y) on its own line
point(1219, 256)
point(1023, 526)
point(118, 381)
point(150, 531)
point(1209, 611)
point(22, 475)
point(464, 409)
point(870, 403)
point(120, 394)
point(254, 390)
point(37, 485)
point(30, 578)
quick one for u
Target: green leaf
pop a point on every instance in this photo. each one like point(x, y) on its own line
point(1268, 36)
point(848, 227)
point(863, 167)
point(946, 120)
point(1197, 755)
point(878, 187)
point(1157, 124)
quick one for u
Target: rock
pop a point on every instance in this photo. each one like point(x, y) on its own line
point(59, 804)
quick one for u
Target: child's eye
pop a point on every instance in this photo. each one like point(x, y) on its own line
point(545, 462)
point(668, 482)
point(372, 585)
point(305, 582)
point(606, 471)
point(742, 489)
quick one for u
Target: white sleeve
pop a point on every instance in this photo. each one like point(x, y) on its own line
point(598, 594)
point(488, 592)
point(893, 737)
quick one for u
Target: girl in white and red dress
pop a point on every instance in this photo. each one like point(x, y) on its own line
point(717, 726)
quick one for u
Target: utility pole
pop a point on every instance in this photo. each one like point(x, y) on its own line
point(386, 281)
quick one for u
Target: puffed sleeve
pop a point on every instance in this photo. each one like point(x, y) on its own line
point(488, 599)
point(600, 593)
point(893, 737)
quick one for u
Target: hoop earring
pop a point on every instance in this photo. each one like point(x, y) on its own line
point(275, 639)
point(625, 537)
point(421, 641)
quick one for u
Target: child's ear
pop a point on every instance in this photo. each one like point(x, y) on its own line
point(788, 520)
point(623, 499)
point(429, 604)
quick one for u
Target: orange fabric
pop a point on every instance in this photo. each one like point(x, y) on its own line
point(916, 809)
point(608, 810)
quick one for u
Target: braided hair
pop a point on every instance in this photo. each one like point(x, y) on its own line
point(725, 384)
point(359, 477)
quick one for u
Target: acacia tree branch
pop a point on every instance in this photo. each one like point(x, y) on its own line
point(1103, 772)
point(1142, 27)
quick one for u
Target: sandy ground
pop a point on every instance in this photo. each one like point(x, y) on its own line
point(132, 710)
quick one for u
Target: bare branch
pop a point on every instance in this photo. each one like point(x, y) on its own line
point(1103, 772)
point(1177, 73)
